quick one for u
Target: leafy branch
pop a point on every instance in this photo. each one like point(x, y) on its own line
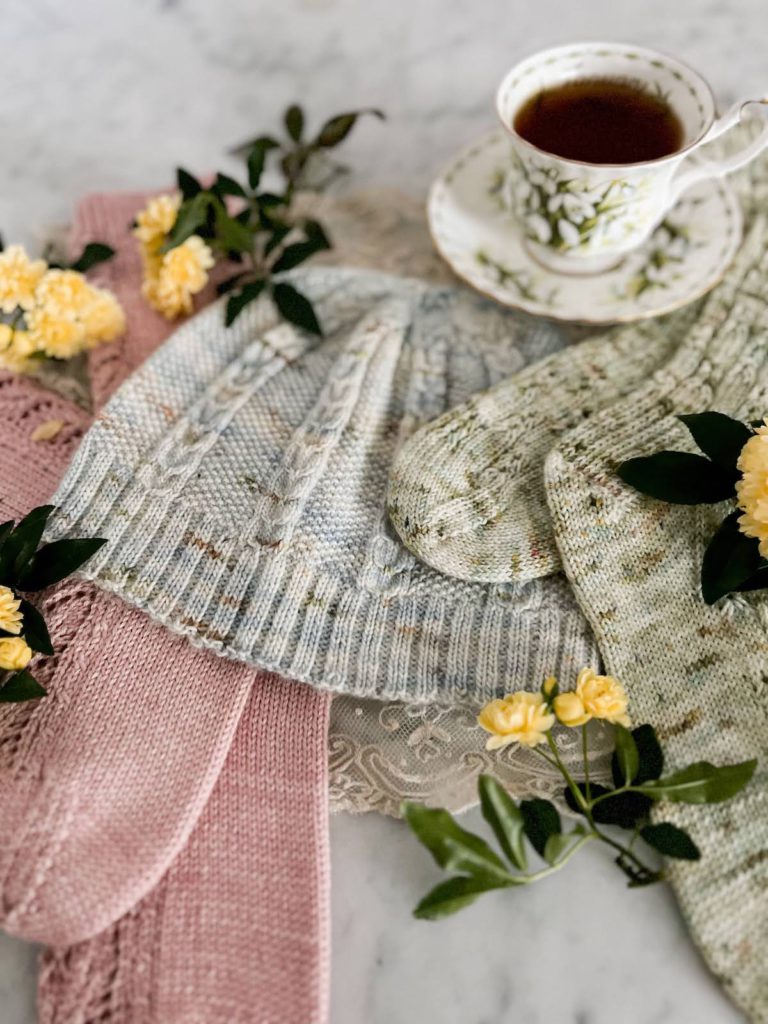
point(26, 567)
point(255, 227)
point(637, 765)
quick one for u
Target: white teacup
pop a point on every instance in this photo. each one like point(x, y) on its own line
point(582, 217)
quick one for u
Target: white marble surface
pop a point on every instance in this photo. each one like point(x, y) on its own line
point(103, 94)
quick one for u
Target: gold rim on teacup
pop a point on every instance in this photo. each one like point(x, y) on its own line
point(579, 217)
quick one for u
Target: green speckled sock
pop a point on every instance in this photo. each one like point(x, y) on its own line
point(699, 674)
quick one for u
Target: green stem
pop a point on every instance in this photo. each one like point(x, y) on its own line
point(578, 796)
point(585, 755)
point(545, 872)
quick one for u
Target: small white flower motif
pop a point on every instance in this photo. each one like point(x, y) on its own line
point(654, 274)
point(569, 233)
point(544, 181)
point(539, 227)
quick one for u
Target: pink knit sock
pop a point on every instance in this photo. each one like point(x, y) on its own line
point(237, 931)
point(102, 782)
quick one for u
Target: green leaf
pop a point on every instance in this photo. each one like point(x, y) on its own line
point(295, 308)
point(294, 121)
point(671, 841)
point(452, 847)
point(558, 843)
point(231, 235)
point(455, 894)
point(624, 810)
point(279, 233)
point(93, 253)
point(21, 687)
point(237, 302)
point(54, 562)
point(638, 876)
point(191, 216)
point(504, 817)
point(257, 156)
point(187, 183)
point(679, 478)
point(650, 753)
point(293, 255)
point(719, 436)
point(7, 527)
point(35, 630)
point(22, 542)
point(336, 129)
point(757, 582)
point(231, 283)
point(540, 821)
point(626, 754)
point(226, 186)
point(730, 560)
point(702, 783)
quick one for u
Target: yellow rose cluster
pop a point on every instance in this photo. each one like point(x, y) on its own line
point(172, 278)
point(15, 652)
point(526, 718)
point(752, 489)
point(50, 312)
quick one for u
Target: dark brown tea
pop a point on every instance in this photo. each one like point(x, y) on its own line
point(600, 121)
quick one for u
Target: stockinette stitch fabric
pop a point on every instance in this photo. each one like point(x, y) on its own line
point(95, 802)
point(239, 477)
point(697, 673)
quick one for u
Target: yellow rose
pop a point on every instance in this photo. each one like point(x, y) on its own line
point(16, 348)
point(156, 220)
point(15, 653)
point(19, 276)
point(517, 718)
point(570, 710)
point(752, 489)
point(103, 317)
point(63, 292)
point(57, 335)
point(172, 280)
point(595, 697)
point(10, 615)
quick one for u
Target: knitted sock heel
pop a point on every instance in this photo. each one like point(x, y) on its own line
point(237, 931)
point(697, 673)
point(466, 492)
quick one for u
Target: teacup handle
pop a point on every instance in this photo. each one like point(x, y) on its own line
point(684, 179)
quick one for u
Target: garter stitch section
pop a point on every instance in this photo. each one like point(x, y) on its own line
point(240, 476)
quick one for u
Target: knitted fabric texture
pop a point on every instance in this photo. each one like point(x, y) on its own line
point(239, 477)
point(102, 782)
point(466, 493)
point(697, 673)
point(237, 930)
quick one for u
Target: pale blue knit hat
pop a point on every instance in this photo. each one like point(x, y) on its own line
point(240, 479)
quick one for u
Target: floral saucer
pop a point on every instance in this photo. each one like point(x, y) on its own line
point(481, 241)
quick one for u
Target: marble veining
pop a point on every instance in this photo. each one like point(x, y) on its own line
point(102, 96)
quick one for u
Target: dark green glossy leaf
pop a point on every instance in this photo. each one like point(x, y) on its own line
point(505, 818)
point(455, 894)
point(35, 630)
point(650, 753)
point(540, 821)
point(679, 477)
point(671, 841)
point(226, 186)
point(257, 156)
point(702, 783)
point(336, 129)
point(230, 283)
point(7, 527)
point(452, 847)
point(54, 562)
point(293, 255)
point(294, 121)
point(731, 560)
point(93, 254)
point(190, 218)
point(187, 183)
point(21, 687)
point(21, 544)
point(757, 582)
point(719, 436)
point(295, 308)
point(626, 754)
point(623, 809)
point(237, 303)
point(279, 233)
